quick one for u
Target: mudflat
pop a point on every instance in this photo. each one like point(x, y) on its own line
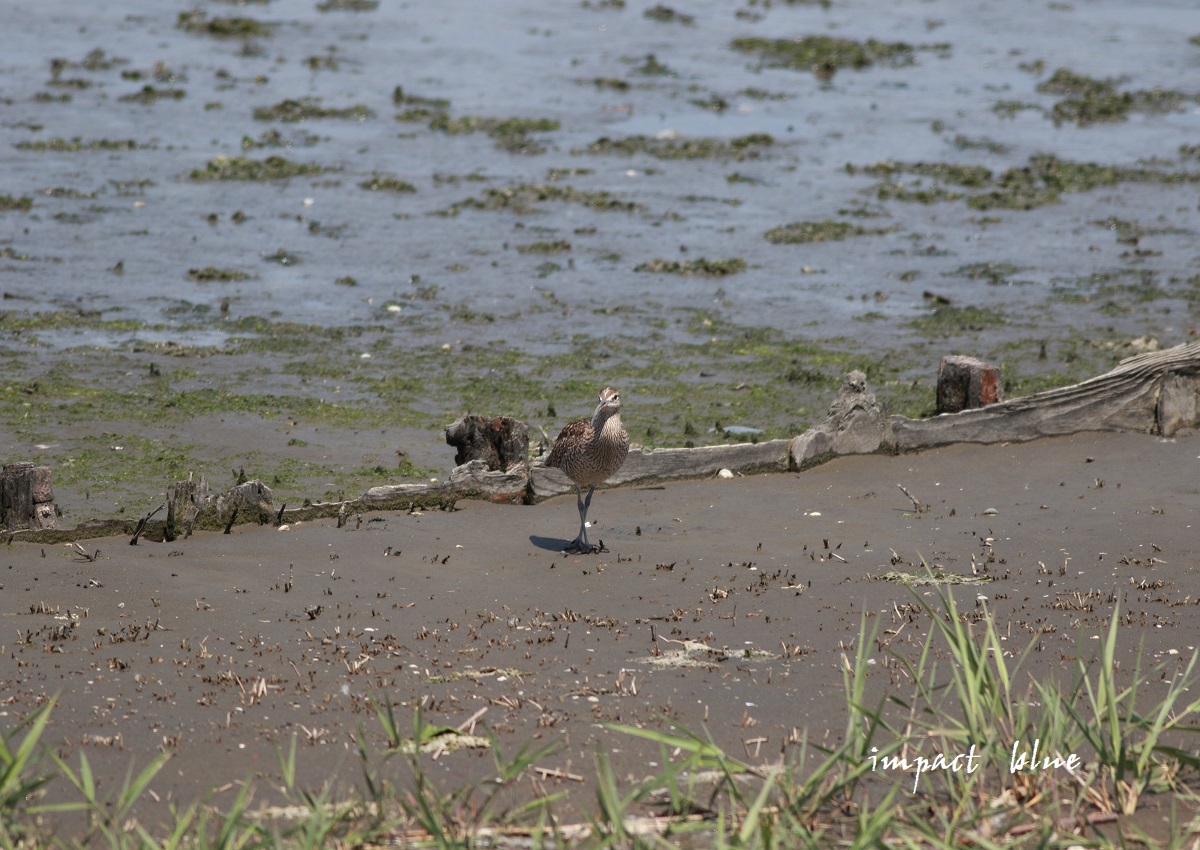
point(725, 606)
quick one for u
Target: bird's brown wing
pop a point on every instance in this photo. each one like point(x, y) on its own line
point(570, 436)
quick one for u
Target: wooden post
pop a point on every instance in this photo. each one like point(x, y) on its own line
point(26, 497)
point(965, 383)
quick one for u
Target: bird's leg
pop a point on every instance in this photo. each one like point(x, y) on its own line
point(580, 543)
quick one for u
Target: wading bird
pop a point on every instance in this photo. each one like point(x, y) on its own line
point(590, 451)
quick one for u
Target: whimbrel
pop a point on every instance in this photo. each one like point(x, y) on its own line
point(590, 451)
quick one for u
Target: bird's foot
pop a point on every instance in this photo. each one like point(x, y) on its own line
point(579, 547)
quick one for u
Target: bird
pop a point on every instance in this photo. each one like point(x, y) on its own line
point(590, 451)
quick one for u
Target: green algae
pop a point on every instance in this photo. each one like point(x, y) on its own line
point(328, 62)
point(802, 232)
point(699, 266)
point(951, 320)
point(197, 21)
point(958, 175)
point(509, 134)
point(610, 83)
point(310, 109)
point(1010, 108)
point(994, 273)
point(740, 148)
point(651, 67)
point(348, 5)
point(432, 104)
point(1088, 100)
point(243, 168)
point(149, 94)
point(718, 374)
point(712, 103)
point(60, 145)
point(95, 60)
point(22, 203)
point(1042, 181)
point(274, 139)
point(387, 183)
point(894, 191)
point(990, 145)
point(825, 54)
point(666, 15)
point(211, 274)
point(524, 199)
point(558, 246)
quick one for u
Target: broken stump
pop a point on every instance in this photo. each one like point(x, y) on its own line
point(26, 497)
point(965, 383)
point(501, 441)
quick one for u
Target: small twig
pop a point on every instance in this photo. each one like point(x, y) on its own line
point(84, 554)
point(468, 725)
point(279, 516)
point(917, 506)
point(232, 517)
point(141, 526)
point(556, 773)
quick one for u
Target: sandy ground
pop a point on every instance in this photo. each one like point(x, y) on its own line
point(221, 648)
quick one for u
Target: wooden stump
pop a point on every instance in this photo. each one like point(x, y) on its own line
point(1178, 403)
point(183, 507)
point(193, 505)
point(501, 441)
point(26, 497)
point(965, 383)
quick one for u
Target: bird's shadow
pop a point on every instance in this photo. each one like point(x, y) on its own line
point(550, 544)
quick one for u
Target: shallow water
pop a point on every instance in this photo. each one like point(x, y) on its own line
point(1067, 287)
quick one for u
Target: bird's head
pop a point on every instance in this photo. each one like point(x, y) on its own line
point(610, 403)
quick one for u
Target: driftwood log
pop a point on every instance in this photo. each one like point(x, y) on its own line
point(1157, 392)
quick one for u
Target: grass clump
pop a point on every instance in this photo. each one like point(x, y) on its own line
point(942, 758)
point(700, 266)
point(244, 168)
